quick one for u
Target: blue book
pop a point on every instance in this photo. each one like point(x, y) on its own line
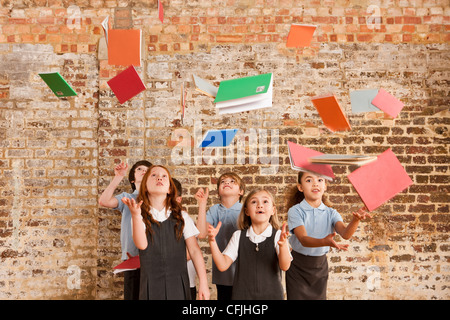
point(361, 100)
point(218, 138)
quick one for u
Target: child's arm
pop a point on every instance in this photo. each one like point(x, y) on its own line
point(202, 199)
point(199, 264)
point(284, 257)
point(222, 261)
point(328, 241)
point(347, 232)
point(107, 198)
point(139, 236)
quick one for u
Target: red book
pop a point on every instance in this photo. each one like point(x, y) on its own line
point(126, 84)
point(330, 111)
point(299, 157)
point(380, 181)
point(131, 264)
point(160, 11)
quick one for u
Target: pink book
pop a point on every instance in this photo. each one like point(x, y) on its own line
point(299, 157)
point(388, 103)
point(381, 180)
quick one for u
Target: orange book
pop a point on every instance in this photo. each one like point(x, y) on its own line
point(330, 111)
point(124, 47)
point(300, 35)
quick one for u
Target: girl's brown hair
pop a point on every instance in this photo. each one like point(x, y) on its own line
point(170, 203)
point(244, 221)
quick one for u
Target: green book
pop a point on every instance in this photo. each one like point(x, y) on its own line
point(244, 94)
point(57, 84)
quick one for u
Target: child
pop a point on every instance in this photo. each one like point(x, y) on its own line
point(190, 265)
point(259, 248)
point(108, 200)
point(231, 189)
point(162, 232)
point(314, 226)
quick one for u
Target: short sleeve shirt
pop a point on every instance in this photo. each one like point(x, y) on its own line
point(126, 236)
point(319, 222)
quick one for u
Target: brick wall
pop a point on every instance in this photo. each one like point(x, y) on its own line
point(57, 155)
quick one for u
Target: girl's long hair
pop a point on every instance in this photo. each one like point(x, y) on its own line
point(244, 221)
point(170, 203)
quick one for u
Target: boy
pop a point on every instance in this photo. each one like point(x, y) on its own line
point(231, 189)
point(108, 200)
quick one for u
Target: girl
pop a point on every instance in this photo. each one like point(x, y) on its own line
point(260, 248)
point(162, 232)
point(314, 226)
point(108, 200)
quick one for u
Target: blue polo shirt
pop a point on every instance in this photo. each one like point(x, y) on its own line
point(229, 218)
point(319, 222)
point(126, 235)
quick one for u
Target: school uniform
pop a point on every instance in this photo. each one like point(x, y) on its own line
point(228, 217)
point(307, 276)
point(131, 278)
point(164, 274)
point(258, 275)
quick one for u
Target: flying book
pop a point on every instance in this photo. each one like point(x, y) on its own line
point(361, 100)
point(300, 35)
point(205, 87)
point(299, 157)
point(106, 27)
point(57, 84)
point(343, 159)
point(380, 180)
point(160, 11)
point(126, 84)
point(330, 111)
point(218, 138)
point(132, 263)
point(124, 47)
point(388, 103)
point(244, 94)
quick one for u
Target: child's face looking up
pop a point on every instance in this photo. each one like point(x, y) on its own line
point(158, 181)
point(229, 187)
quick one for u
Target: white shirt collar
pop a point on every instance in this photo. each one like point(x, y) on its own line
point(257, 238)
point(160, 216)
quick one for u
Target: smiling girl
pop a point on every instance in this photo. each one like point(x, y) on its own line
point(162, 232)
point(260, 250)
point(314, 226)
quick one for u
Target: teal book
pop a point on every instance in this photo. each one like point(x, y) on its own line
point(57, 84)
point(244, 94)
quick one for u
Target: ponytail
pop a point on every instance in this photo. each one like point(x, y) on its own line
point(295, 196)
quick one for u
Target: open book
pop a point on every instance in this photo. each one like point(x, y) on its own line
point(299, 157)
point(344, 159)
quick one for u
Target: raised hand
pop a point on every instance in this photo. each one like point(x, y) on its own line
point(284, 235)
point(361, 214)
point(135, 208)
point(212, 232)
point(121, 169)
point(202, 195)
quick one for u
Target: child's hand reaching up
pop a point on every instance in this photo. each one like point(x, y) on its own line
point(212, 232)
point(361, 214)
point(135, 208)
point(283, 236)
point(202, 196)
